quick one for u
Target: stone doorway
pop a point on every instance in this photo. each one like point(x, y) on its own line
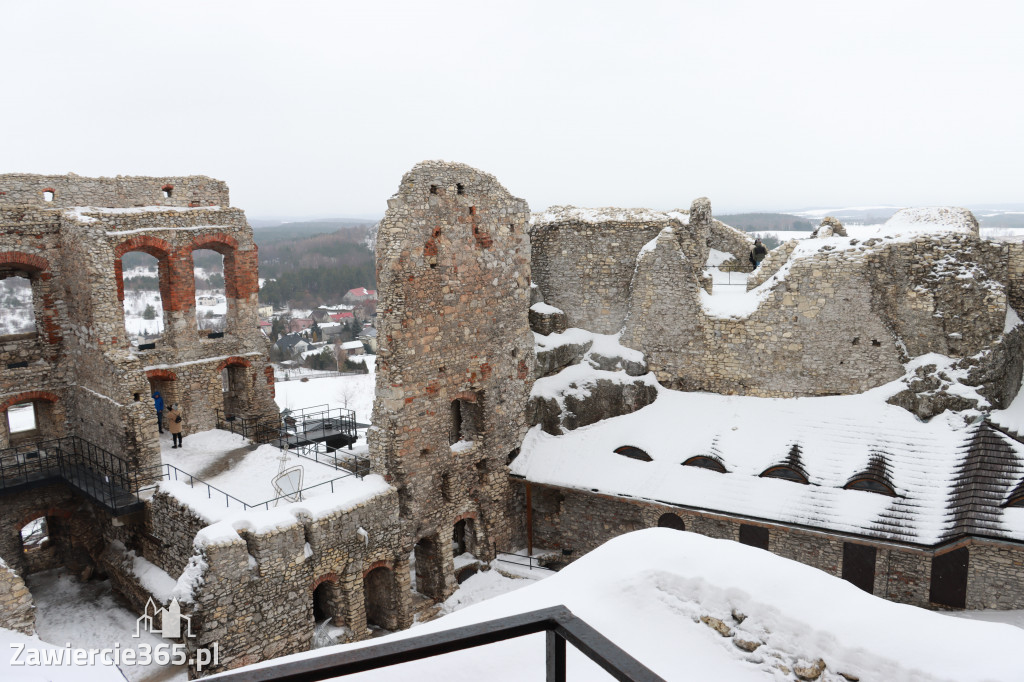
point(381, 598)
point(233, 390)
point(429, 569)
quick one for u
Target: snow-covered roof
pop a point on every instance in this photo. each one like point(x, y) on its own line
point(352, 345)
point(834, 440)
point(607, 214)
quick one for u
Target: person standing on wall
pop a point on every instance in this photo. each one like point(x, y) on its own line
point(758, 253)
point(158, 402)
point(174, 422)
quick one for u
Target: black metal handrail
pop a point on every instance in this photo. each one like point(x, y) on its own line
point(170, 472)
point(108, 479)
point(560, 624)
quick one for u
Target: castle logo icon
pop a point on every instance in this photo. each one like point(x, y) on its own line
point(170, 621)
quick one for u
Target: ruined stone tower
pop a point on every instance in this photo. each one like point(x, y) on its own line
point(455, 365)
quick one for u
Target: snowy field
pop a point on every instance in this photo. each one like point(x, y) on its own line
point(353, 392)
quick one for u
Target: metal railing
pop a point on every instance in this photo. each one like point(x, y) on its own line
point(169, 472)
point(558, 622)
point(521, 560)
point(103, 476)
point(302, 432)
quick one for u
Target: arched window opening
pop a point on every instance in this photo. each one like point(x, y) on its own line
point(380, 599)
point(48, 195)
point(670, 520)
point(233, 390)
point(463, 538)
point(785, 473)
point(17, 312)
point(705, 462)
point(633, 453)
point(143, 304)
point(211, 293)
point(870, 485)
point(167, 191)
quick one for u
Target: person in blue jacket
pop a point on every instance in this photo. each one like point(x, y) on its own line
point(158, 402)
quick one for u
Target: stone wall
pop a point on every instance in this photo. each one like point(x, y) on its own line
point(722, 237)
point(120, 192)
point(79, 367)
point(585, 267)
point(17, 612)
point(830, 323)
point(254, 596)
point(455, 363)
point(581, 521)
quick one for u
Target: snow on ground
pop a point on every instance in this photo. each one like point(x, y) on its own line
point(652, 609)
point(89, 615)
point(225, 461)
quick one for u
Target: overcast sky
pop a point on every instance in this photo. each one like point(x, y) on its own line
point(318, 108)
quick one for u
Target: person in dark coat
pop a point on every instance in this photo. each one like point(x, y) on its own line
point(174, 423)
point(758, 253)
point(158, 402)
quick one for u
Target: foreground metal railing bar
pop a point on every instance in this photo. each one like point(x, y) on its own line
point(558, 622)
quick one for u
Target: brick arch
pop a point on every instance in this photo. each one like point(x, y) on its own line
point(241, 277)
point(385, 563)
point(159, 249)
point(468, 396)
point(325, 578)
point(161, 375)
point(464, 516)
point(234, 360)
point(25, 261)
point(220, 242)
point(29, 396)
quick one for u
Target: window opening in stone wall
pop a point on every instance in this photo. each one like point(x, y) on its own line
point(433, 189)
point(466, 421)
point(47, 195)
point(143, 304)
point(35, 535)
point(671, 520)
point(463, 538)
point(380, 599)
point(17, 311)
point(167, 191)
point(21, 419)
point(633, 453)
point(949, 578)
point(460, 188)
point(755, 536)
point(211, 293)
point(859, 565)
point(446, 487)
